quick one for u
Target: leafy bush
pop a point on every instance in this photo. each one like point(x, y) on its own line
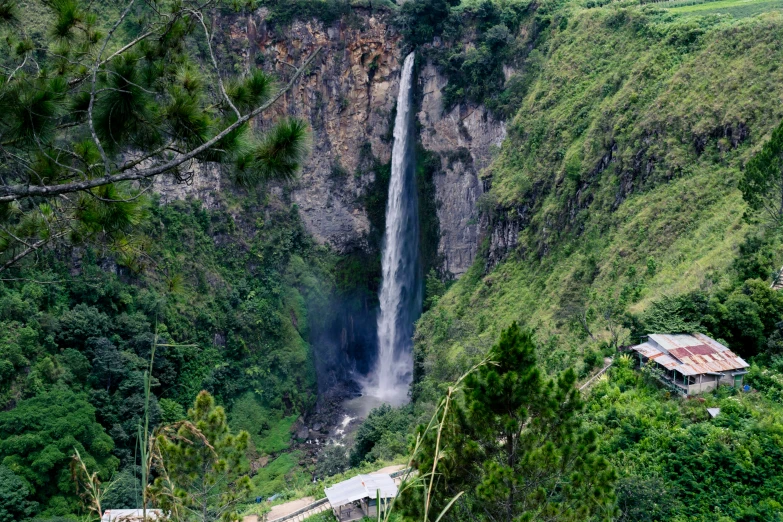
point(643, 499)
point(383, 426)
point(667, 449)
point(333, 459)
point(14, 493)
point(421, 20)
point(37, 440)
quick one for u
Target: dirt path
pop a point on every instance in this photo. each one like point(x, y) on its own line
point(282, 510)
point(389, 469)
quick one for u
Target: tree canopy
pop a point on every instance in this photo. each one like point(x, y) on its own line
point(37, 440)
point(14, 492)
point(515, 446)
point(96, 108)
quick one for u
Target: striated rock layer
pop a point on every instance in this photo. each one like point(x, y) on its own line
point(464, 137)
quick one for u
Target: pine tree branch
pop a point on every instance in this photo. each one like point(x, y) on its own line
point(104, 156)
point(200, 18)
point(76, 81)
point(16, 192)
point(24, 253)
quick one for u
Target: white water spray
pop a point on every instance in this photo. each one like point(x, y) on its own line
point(400, 297)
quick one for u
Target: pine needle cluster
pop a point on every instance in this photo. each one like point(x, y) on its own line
point(95, 108)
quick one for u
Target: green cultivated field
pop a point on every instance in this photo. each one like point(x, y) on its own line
point(735, 8)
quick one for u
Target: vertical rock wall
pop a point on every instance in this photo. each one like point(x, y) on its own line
point(348, 96)
point(464, 137)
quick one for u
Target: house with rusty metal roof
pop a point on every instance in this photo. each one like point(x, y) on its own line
point(692, 363)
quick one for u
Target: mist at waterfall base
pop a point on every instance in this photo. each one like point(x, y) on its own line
point(401, 293)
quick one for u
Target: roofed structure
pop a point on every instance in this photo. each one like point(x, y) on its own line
point(692, 363)
point(129, 515)
point(355, 498)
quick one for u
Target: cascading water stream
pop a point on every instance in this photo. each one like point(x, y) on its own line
point(400, 297)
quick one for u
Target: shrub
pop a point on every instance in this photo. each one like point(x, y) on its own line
point(381, 422)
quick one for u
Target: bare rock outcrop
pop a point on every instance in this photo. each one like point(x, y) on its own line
point(464, 136)
point(348, 96)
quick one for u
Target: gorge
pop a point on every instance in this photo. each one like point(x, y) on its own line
point(351, 101)
point(535, 183)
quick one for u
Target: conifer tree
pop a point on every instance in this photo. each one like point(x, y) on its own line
point(202, 472)
point(762, 182)
point(94, 108)
point(516, 446)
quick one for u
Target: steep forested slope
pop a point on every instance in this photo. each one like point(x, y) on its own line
point(613, 210)
point(617, 184)
point(232, 303)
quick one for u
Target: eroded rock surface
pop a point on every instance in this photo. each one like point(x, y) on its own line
point(348, 96)
point(464, 136)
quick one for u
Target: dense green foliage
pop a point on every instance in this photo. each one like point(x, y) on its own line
point(235, 309)
point(422, 20)
point(678, 464)
point(382, 435)
point(745, 317)
point(38, 439)
point(515, 446)
point(13, 497)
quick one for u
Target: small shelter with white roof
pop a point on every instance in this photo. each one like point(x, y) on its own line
point(692, 363)
point(130, 515)
point(357, 497)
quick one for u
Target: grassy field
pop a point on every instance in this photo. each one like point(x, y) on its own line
point(735, 8)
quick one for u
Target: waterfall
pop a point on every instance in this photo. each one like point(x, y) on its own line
point(400, 297)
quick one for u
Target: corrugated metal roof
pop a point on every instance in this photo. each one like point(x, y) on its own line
point(685, 369)
point(672, 341)
point(701, 349)
point(711, 342)
point(690, 354)
point(359, 487)
point(648, 350)
point(667, 362)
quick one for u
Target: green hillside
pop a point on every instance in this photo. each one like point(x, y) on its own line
point(620, 170)
point(233, 310)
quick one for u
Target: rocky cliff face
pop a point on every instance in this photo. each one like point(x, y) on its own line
point(348, 96)
point(464, 137)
